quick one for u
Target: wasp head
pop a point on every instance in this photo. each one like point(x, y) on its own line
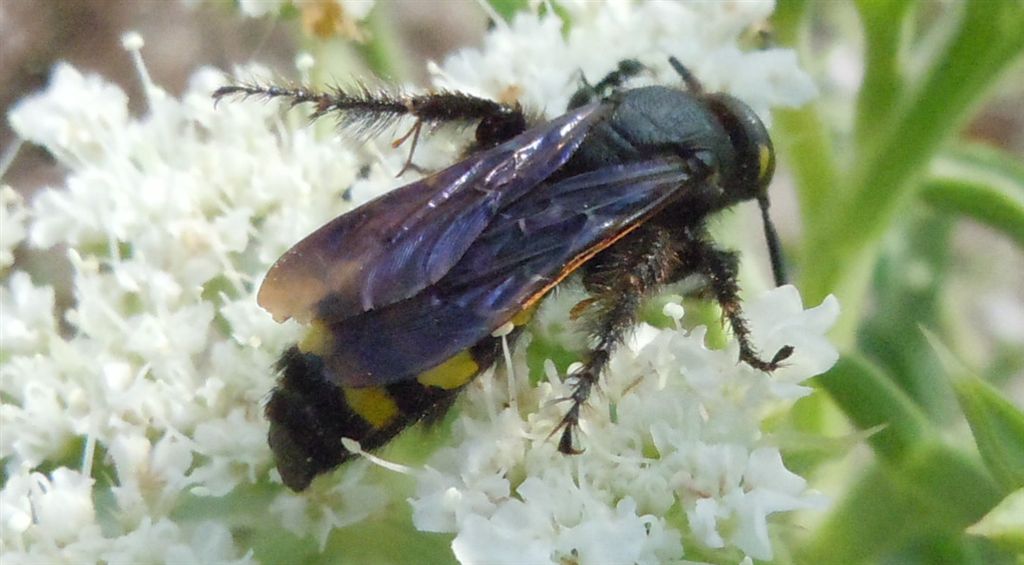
point(755, 166)
point(755, 155)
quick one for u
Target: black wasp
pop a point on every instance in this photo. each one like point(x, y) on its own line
point(404, 295)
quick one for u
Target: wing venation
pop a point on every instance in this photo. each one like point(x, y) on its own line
point(404, 241)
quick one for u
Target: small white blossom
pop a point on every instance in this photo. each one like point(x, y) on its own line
point(12, 224)
point(260, 8)
point(26, 314)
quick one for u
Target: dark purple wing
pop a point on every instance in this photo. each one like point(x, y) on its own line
point(396, 245)
point(528, 248)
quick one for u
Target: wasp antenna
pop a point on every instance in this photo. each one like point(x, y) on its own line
point(692, 84)
point(774, 243)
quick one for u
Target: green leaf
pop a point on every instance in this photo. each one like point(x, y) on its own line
point(803, 141)
point(871, 399)
point(289, 11)
point(383, 53)
point(997, 425)
point(884, 81)
point(934, 493)
point(908, 291)
point(787, 20)
point(1004, 524)
point(507, 9)
point(981, 183)
point(950, 488)
point(998, 428)
point(988, 40)
point(389, 539)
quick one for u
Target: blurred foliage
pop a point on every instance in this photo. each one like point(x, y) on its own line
point(879, 205)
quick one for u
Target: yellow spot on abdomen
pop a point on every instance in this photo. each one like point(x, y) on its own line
point(525, 315)
point(451, 374)
point(316, 339)
point(373, 404)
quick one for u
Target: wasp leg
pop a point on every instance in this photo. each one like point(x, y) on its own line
point(619, 280)
point(369, 112)
point(692, 84)
point(613, 81)
point(721, 267)
point(415, 133)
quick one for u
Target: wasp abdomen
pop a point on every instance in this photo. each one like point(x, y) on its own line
point(309, 415)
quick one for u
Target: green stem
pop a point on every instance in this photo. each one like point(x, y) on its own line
point(883, 85)
point(845, 236)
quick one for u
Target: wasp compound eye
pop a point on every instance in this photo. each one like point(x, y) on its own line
point(749, 138)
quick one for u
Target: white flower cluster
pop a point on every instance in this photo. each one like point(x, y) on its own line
point(684, 457)
point(534, 61)
point(146, 394)
point(168, 222)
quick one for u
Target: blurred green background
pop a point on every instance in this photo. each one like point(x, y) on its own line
point(912, 207)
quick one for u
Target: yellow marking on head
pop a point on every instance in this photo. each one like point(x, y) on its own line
point(373, 404)
point(317, 339)
point(451, 374)
point(764, 159)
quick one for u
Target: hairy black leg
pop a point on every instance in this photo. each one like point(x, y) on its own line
point(721, 267)
point(369, 112)
point(618, 280)
point(587, 92)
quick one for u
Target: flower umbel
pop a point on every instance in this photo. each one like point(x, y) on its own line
point(167, 221)
point(687, 437)
point(146, 394)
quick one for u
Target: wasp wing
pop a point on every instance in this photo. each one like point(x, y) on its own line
point(531, 246)
point(402, 242)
